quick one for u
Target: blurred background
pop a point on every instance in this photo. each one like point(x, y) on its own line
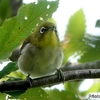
point(78, 21)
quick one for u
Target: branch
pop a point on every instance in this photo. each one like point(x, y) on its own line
point(89, 65)
point(68, 76)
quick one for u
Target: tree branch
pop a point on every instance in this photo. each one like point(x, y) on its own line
point(53, 79)
point(88, 65)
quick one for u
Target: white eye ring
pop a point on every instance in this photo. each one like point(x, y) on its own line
point(42, 30)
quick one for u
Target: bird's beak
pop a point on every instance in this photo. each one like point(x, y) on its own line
point(52, 28)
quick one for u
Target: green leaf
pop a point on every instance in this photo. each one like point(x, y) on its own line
point(15, 94)
point(5, 10)
point(8, 37)
point(16, 29)
point(97, 23)
point(62, 95)
point(8, 69)
point(93, 48)
point(76, 25)
point(34, 94)
point(2, 96)
point(73, 42)
point(94, 88)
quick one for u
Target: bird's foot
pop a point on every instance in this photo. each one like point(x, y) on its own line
point(29, 80)
point(61, 75)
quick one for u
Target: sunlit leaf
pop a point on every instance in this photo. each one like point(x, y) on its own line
point(34, 94)
point(95, 87)
point(73, 42)
point(62, 95)
point(2, 96)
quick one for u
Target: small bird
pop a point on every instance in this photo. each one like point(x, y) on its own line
point(41, 53)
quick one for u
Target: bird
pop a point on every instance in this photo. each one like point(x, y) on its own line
point(41, 53)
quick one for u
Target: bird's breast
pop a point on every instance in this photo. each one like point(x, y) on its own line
point(40, 62)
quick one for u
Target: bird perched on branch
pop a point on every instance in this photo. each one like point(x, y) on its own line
point(41, 53)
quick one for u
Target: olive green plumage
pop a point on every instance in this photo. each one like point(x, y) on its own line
point(41, 53)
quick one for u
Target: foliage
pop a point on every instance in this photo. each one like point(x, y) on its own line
point(15, 29)
point(5, 10)
point(74, 35)
point(76, 43)
point(35, 94)
point(10, 67)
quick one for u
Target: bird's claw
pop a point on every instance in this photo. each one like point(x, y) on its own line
point(60, 75)
point(29, 80)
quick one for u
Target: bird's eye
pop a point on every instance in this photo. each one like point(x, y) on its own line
point(42, 30)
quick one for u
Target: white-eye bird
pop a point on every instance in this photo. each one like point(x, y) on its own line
point(41, 52)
